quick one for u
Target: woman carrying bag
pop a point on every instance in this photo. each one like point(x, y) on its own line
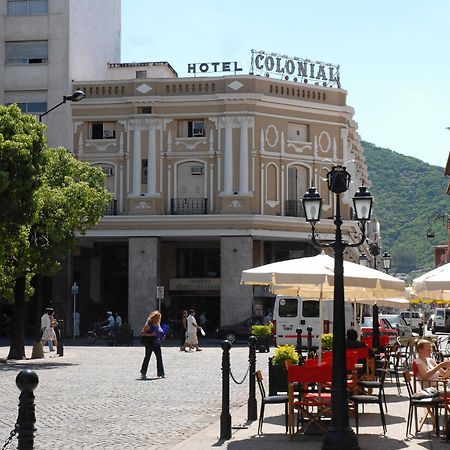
point(152, 336)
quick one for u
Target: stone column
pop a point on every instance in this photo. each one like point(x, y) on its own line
point(142, 280)
point(137, 161)
point(228, 158)
point(151, 161)
point(243, 156)
point(236, 301)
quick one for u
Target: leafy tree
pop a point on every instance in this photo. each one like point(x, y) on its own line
point(61, 195)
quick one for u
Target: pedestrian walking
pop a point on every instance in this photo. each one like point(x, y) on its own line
point(183, 329)
point(48, 333)
point(191, 333)
point(76, 322)
point(152, 336)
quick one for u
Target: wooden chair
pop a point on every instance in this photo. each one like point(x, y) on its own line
point(270, 400)
point(312, 403)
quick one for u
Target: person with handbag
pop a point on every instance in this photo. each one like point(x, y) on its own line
point(152, 336)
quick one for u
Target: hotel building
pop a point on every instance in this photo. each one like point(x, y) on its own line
point(208, 173)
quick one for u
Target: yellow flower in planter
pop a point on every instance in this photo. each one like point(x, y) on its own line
point(327, 341)
point(285, 353)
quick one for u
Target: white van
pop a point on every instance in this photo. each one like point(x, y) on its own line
point(441, 320)
point(290, 313)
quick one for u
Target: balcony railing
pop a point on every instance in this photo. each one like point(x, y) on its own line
point(294, 208)
point(187, 206)
point(111, 209)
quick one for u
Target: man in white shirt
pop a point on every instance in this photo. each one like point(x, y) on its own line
point(191, 332)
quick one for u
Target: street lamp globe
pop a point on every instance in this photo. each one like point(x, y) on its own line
point(386, 259)
point(363, 261)
point(76, 96)
point(312, 204)
point(362, 201)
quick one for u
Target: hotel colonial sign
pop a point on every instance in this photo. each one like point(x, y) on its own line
point(276, 65)
point(295, 69)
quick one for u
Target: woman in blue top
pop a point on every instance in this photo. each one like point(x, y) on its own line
point(152, 336)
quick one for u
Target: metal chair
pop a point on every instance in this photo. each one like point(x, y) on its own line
point(367, 399)
point(417, 401)
point(270, 400)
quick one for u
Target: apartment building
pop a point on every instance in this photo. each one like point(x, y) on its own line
point(207, 174)
point(45, 44)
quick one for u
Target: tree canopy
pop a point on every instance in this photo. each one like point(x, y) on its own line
point(407, 192)
point(48, 196)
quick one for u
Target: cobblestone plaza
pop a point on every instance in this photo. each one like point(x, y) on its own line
point(93, 398)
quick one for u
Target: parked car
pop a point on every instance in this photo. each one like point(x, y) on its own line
point(386, 329)
point(415, 318)
point(399, 324)
point(430, 322)
point(241, 330)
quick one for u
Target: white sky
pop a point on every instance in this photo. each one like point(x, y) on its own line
point(394, 56)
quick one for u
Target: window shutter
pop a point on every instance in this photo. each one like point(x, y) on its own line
point(26, 50)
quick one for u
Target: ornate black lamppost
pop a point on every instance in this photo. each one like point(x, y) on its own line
point(386, 260)
point(340, 435)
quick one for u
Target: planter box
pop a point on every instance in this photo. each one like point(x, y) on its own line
point(278, 381)
point(264, 343)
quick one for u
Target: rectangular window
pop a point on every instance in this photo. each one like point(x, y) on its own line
point(32, 107)
point(191, 128)
point(144, 174)
point(198, 263)
point(103, 130)
point(26, 7)
point(26, 52)
point(288, 307)
point(297, 132)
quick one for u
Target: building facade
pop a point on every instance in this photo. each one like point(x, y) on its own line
point(45, 44)
point(207, 176)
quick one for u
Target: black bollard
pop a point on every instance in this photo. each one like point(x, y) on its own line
point(225, 416)
point(309, 330)
point(299, 332)
point(26, 381)
point(59, 335)
point(251, 404)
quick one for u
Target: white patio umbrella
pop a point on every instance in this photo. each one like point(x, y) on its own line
point(308, 277)
point(434, 284)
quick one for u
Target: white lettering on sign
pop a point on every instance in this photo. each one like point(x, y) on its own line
point(194, 284)
point(298, 69)
point(214, 67)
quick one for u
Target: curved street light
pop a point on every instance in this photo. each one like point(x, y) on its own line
point(75, 97)
point(340, 434)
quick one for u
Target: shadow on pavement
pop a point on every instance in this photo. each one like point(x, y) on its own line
point(11, 365)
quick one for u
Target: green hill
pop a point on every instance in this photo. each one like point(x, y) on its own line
point(407, 192)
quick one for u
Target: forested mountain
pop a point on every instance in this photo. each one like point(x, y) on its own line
point(407, 194)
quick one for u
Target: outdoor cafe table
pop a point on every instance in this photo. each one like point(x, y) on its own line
point(315, 404)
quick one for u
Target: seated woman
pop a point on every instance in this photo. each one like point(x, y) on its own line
point(428, 370)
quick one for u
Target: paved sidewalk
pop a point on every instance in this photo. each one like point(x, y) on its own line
point(274, 436)
point(92, 398)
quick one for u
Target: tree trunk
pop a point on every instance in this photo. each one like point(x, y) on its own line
point(17, 349)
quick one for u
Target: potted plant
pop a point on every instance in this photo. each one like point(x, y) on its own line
point(124, 335)
point(264, 333)
point(277, 367)
point(327, 342)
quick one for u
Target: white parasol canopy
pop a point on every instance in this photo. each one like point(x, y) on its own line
point(434, 284)
point(313, 277)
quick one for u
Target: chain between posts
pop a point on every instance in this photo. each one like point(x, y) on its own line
point(243, 379)
point(11, 436)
